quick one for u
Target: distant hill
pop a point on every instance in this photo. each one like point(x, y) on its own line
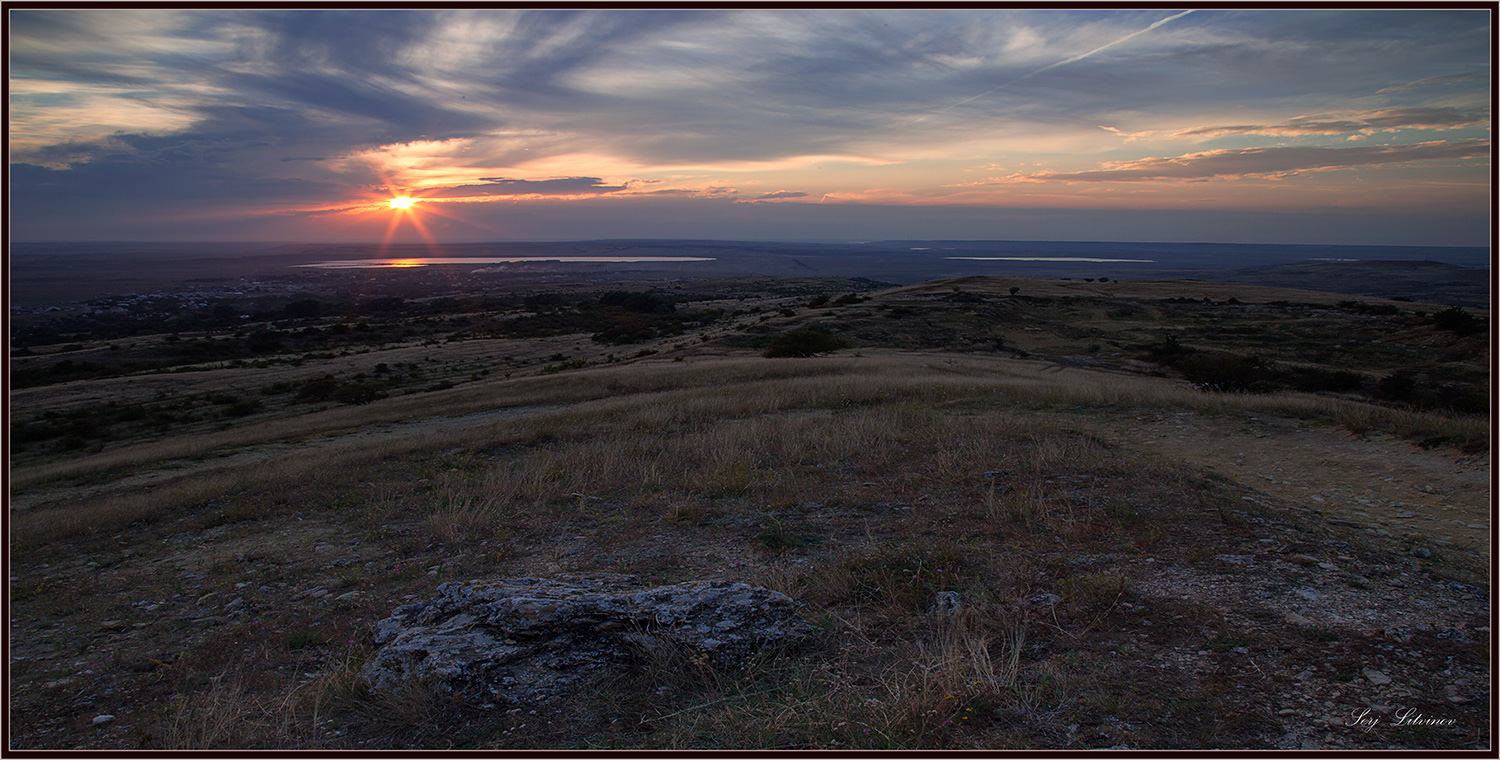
point(1423, 281)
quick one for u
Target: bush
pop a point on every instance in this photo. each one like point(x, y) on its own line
point(304, 309)
point(1400, 385)
point(1314, 379)
point(358, 393)
point(803, 343)
point(641, 303)
point(1456, 320)
point(1168, 351)
point(1360, 307)
point(1228, 373)
point(318, 389)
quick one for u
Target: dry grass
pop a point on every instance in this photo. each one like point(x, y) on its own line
point(668, 433)
point(863, 486)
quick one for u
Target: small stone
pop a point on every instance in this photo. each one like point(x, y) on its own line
point(114, 625)
point(946, 603)
point(1328, 566)
point(1376, 677)
point(1303, 559)
point(1296, 619)
point(1421, 552)
point(100, 720)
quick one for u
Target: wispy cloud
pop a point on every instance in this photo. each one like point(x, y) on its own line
point(1447, 79)
point(1436, 118)
point(501, 186)
point(779, 195)
point(1071, 59)
point(1264, 162)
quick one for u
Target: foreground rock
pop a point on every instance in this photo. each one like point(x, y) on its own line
point(523, 640)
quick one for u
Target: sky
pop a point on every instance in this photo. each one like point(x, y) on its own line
point(1299, 125)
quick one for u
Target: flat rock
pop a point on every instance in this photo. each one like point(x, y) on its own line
point(527, 640)
point(1298, 619)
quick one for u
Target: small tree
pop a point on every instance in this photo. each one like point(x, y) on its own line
point(803, 343)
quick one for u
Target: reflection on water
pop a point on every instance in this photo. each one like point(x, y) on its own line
point(1051, 258)
point(402, 263)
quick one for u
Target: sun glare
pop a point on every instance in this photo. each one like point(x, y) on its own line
point(402, 202)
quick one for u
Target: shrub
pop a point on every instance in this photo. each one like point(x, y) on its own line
point(1228, 373)
point(1360, 307)
point(242, 408)
point(779, 535)
point(303, 309)
point(263, 342)
point(803, 343)
point(1400, 385)
point(643, 303)
point(1456, 320)
point(1314, 379)
point(318, 389)
point(358, 393)
point(1169, 350)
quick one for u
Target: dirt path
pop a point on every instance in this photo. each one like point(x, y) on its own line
point(1393, 488)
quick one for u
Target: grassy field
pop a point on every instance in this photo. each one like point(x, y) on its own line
point(1132, 575)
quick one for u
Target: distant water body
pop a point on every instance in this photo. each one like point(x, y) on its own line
point(407, 263)
point(1050, 258)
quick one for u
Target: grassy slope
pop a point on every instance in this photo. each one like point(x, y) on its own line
point(216, 589)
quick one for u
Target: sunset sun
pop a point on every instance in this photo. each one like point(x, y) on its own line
point(402, 202)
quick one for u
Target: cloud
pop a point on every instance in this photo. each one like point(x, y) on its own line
point(501, 186)
point(1438, 118)
point(218, 109)
point(1265, 162)
point(1438, 80)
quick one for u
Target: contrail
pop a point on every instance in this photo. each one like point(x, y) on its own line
point(1064, 62)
